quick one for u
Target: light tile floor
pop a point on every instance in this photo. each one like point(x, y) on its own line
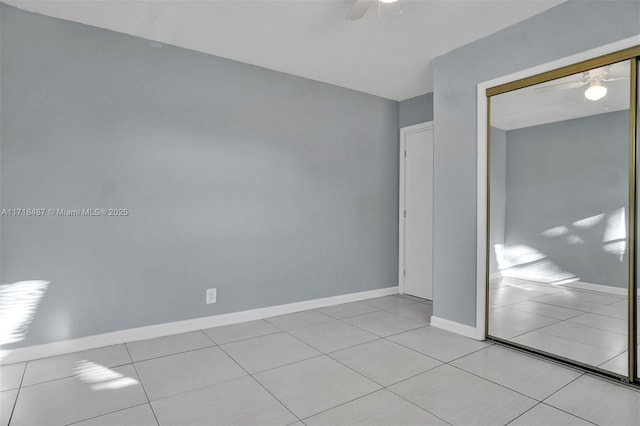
point(586, 326)
point(375, 362)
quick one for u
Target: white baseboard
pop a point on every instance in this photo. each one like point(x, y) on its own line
point(618, 291)
point(123, 336)
point(580, 285)
point(456, 327)
point(526, 276)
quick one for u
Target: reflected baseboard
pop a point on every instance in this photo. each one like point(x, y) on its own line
point(578, 285)
point(600, 288)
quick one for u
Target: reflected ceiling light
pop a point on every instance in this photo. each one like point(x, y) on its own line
point(595, 92)
point(388, 1)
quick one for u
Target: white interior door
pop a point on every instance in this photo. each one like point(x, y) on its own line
point(418, 210)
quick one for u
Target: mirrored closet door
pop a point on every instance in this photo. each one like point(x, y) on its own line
point(562, 214)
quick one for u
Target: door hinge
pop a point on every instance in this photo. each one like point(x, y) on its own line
point(404, 272)
point(405, 213)
point(405, 153)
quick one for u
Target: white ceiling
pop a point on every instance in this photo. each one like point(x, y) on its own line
point(391, 57)
point(531, 106)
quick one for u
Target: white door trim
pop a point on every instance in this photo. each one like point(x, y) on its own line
point(404, 132)
point(481, 239)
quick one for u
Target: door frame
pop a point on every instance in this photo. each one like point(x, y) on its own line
point(404, 132)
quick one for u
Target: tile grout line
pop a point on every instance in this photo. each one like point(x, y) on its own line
point(611, 359)
point(339, 405)
point(15, 403)
point(320, 354)
point(390, 313)
point(569, 320)
point(71, 376)
point(120, 365)
point(437, 359)
point(511, 307)
point(523, 413)
point(261, 385)
point(562, 306)
point(567, 412)
point(409, 378)
point(541, 357)
point(142, 385)
point(198, 388)
point(350, 315)
point(538, 401)
point(68, 377)
point(199, 330)
point(558, 408)
point(356, 345)
point(582, 343)
point(471, 373)
point(557, 321)
point(413, 403)
point(393, 334)
point(317, 310)
point(378, 337)
point(242, 340)
point(582, 373)
point(382, 387)
point(110, 412)
point(495, 383)
point(583, 325)
point(327, 354)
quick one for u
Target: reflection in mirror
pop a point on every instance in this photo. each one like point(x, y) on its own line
point(557, 226)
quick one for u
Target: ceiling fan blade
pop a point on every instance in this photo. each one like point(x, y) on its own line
point(358, 10)
point(559, 86)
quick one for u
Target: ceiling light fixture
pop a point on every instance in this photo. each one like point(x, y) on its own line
point(387, 1)
point(595, 92)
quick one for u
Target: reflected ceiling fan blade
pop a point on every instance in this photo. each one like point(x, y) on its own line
point(359, 9)
point(615, 79)
point(559, 86)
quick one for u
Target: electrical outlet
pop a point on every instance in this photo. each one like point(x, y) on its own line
point(212, 295)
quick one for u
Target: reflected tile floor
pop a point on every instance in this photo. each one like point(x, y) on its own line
point(375, 362)
point(580, 324)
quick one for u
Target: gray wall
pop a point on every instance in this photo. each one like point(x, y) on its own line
point(563, 172)
point(569, 28)
point(416, 110)
point(272, 188)
point(498, 193)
